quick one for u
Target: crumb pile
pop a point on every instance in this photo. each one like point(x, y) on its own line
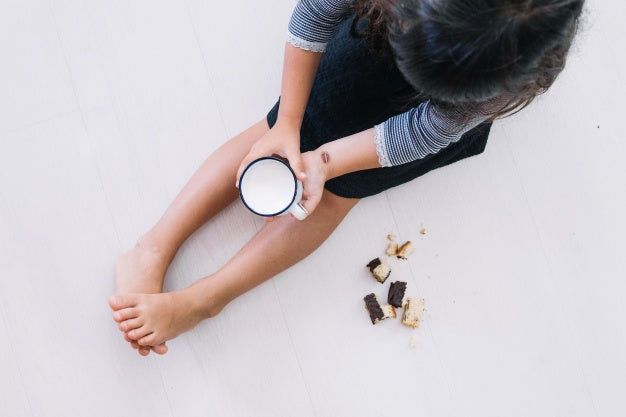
point(381, 269)
point(401, 252)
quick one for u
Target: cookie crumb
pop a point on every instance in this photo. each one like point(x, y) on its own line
point(392, 247)
point(405, 250)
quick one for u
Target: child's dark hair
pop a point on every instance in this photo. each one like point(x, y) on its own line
point(469, 51)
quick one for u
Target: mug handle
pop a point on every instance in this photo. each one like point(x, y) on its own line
point(298, 211)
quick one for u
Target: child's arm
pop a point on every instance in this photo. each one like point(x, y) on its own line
point(423, 130)
point(299, 70)
point(352, 153)
point(341, 156)
point(283, 139)
point(310, 29)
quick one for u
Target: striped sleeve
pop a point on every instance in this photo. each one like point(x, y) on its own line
point(423, 130)
point(313, 22)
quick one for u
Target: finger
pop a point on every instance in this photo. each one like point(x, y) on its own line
point(310, 201)
point(269, 219)
point(244, 163)
point(295, 161)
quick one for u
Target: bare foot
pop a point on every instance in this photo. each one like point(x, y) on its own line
point(141, 270)
point(151, 319)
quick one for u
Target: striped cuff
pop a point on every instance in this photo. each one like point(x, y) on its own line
point(304, 44)
point(313, 23)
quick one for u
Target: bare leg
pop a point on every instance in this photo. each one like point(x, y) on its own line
point(154, 318)
point(142, 269)
point(208, 192)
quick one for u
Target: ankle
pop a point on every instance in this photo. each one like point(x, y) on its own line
point(149, 243)
point(205, 298)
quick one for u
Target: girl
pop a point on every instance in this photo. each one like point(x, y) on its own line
point(374, 94)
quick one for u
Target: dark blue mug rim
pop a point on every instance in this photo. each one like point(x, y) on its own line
point(295, 188)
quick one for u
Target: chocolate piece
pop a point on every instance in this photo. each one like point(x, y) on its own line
point(413, 310)
point(378, 313)
point(405, 250)
point(374, 263)
point(380, 269)
point(372, 306)
point(396, 293)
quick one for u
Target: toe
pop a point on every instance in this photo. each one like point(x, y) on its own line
point(160, 349)
point(125, 314)
point(131, 324)
point(148, 340)
point(119, 301)
point(134, 344)
point(144, 351)
point(137, 334)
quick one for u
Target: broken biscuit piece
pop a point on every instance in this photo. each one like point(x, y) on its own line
point(392, 247)
point(413, 310)
point(372, 306)
point(380, 269)
point(377, 313)
point(405, 250)
point(389, 311)
point(396, 293)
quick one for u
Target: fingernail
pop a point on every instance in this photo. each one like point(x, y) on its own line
point(303, 175)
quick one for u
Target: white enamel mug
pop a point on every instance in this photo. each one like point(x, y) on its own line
point(269, 187)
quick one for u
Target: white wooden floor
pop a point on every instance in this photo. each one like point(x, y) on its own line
point(108, 107)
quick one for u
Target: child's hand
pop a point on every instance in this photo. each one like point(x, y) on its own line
point(316, 175)
point(282, 140)
point(313, 186)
